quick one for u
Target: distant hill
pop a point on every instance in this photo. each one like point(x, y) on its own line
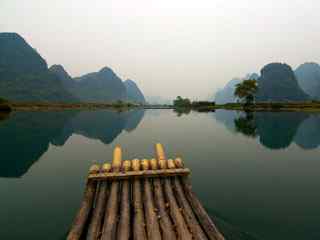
point(62, 74)
point(24, 75)
point(102, 86)
point(308, 76)
point(134, 94)
point(279, 83)
point(226, 95)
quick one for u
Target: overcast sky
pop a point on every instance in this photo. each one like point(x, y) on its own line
point(168, 47)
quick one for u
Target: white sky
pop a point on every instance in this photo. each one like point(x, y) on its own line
point(169, 47)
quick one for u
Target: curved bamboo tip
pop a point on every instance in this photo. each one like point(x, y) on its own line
point(163, 164)
point(160, 152)
point(117, 158)
point(135, 164)
point(178, 162)
point(171, 164)
point(154, 164)
point(145, 164)
point(106, 167)
point(95, 168)
point(126, 166)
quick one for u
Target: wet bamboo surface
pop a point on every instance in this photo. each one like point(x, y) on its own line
point(140, 200)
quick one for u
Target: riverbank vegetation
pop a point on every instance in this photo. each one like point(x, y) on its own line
point(4, 105)
point(45, 106)
point(272, 106)
point(185, 103)
point(246, 92)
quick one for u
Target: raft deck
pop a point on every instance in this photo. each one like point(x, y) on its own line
point(140, 200)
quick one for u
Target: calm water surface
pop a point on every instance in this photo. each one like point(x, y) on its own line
point(258, 174)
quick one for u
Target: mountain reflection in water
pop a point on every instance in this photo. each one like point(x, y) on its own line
point(26, 136)
point(274, 130)
point(249, 190)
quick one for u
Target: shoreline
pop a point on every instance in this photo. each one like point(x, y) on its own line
point(272, 107)
point(15, 106)
point(259, 107)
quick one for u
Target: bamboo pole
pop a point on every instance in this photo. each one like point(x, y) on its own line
point(207, 224)
point(187, 211)
point(140, 174)
point(153, 229)
point(175, 211)
point(124, 222)
point(165, 223)
point(160, 154)
point(94, 230)
point(111, 216)
point(85, 208)
point(139, 232)
point(183, 232)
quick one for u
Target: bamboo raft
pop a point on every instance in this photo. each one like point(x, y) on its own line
point(140, 200)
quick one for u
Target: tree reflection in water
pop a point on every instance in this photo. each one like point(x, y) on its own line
point(182, 111)
point(275, 130)
point(246, 125)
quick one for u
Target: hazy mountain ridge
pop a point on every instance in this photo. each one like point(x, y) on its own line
point(308, 76)
point(279, 83)
point(24, 76)
point(133, 92)
point(62, 74)
point(100, 86)
point(226, 94)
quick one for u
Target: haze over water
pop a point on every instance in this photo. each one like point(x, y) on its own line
point(257, 174)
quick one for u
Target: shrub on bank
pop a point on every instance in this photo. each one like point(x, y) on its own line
point(3, 101)
point(4, 105)
point(202, 104)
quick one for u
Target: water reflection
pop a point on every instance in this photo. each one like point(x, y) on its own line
point(308, 134)
point(101, 125)
point(275, 130)
point(182, 111)
point(4, 116)
point(246, 125)
point(26, 136)
point(226, 165)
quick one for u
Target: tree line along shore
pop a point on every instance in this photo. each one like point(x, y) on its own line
point(181, 104)
point(201, 106)
point(35, 106)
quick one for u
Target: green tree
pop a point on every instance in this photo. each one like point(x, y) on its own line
point(2, 100)
point(246, 90)
point(182, 102)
